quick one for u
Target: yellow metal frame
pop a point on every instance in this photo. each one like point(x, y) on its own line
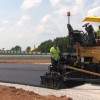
point(90, 51)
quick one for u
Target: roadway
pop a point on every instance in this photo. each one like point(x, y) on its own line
point(28, 74)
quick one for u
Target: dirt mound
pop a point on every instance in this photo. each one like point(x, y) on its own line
point(11, 93)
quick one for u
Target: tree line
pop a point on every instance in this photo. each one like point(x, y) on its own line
point(64, 43)
point(19, 48)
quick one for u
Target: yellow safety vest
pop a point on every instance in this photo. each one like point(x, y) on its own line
point(55, 53)
point(98, 33)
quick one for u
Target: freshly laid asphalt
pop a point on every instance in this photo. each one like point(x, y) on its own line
point(27, 74)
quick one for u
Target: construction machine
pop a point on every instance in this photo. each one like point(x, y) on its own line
point(82, 65)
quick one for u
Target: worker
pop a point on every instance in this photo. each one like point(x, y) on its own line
point(55, 55)
point(98, 33)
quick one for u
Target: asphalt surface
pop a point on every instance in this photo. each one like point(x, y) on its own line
point(27, 74)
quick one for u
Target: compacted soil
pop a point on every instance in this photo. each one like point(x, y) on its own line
point(24, 61)
point(12, 93)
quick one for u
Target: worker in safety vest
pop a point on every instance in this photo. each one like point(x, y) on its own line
point(55, 55)
point(98, 33)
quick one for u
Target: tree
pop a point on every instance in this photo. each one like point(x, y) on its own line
point(13, 49)
point(45, 46)
point(17, 48)
point(62, 43)
point(28, 48)
point(3, 49)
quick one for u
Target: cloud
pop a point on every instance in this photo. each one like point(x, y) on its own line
point(67, 0)
point(24, 19)
point(80, 2)
point(55, 2)
point(96, 3)
point(39, 29)
point(62, 11)
point(5, 22)
point(45, 18)
point(55, 22)
point(62, 7)
point(94, 11)
point(44, 23)
point(50, 26)
point(30, 3)
point(2, 29)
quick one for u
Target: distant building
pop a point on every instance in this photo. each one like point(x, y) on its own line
point(33, 49)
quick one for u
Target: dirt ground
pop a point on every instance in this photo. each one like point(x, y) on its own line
point(11, 93)
point(24, 61)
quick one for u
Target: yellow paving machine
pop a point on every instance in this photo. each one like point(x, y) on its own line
point(82, 66)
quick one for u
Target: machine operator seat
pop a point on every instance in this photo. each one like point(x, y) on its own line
point(91, 35)
point(75, 34)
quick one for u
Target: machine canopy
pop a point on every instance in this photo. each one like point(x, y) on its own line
point(92, 19)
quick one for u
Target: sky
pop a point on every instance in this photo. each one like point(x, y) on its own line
point(30, 22)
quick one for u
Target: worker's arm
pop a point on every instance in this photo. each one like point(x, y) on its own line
point(51, 53)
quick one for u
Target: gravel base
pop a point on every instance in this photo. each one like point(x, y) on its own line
point(84, 92)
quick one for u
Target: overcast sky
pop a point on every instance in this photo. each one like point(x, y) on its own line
point(30, 22)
